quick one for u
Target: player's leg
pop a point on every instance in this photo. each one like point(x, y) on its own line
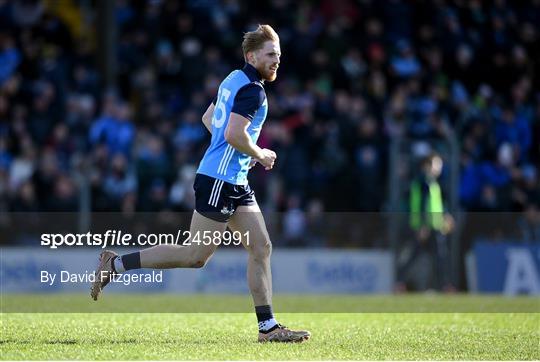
point(249, 219)
point(207, 217)
point(190, 255)
point(209, 194)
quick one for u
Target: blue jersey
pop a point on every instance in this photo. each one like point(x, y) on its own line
point(242, 92)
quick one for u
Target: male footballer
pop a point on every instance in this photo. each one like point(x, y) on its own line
point(223, 196)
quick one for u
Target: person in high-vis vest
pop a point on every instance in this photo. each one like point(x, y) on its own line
point(429, 222)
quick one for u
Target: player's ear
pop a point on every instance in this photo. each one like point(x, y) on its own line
point(251, 58)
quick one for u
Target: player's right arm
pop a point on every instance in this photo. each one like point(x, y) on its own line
point(207, 117)
point(237, 136)
point(246, 103)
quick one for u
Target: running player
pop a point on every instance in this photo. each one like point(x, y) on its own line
point(223, 196)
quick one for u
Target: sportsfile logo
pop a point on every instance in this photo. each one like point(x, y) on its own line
point(108, 239)
point(112, 238)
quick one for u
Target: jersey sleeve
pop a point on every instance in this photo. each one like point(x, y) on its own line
point(248, 100)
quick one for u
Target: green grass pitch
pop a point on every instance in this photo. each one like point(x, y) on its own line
point(232, 336)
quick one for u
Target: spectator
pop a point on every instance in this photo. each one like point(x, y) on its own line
point(404, 64)
point(114, 128)
point(514, 131)
point(430, 224)
point(119, 182)
point(9, 57)
point(64, 197)
point(25, 200)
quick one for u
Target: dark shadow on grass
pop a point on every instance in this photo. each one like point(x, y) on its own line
point(6, 341)
point(125, 341)
point(67, 342)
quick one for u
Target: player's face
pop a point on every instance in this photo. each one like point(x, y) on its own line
point(266, 60)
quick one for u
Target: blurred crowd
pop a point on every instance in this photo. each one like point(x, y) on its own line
point(354, 75)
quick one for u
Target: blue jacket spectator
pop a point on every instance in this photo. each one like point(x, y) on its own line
point(10, 58)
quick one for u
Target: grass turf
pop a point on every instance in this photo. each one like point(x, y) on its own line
point(232, 336)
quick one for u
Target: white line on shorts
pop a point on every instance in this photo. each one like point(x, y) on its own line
point(216, 194)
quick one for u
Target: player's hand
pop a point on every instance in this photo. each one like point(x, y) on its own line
point(268, 158)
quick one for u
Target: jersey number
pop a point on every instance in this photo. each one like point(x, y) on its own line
point(223, 96)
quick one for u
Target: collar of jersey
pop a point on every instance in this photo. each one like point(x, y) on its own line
point(252, 73)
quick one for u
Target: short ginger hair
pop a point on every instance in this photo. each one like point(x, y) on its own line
point(254, 40)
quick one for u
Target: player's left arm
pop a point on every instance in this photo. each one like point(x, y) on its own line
point(207, 117)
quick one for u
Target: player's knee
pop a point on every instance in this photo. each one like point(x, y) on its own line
point(199, 261)
point(262, 251)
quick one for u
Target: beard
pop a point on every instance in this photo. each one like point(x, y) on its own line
point(271, 76)
point(267, 74)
